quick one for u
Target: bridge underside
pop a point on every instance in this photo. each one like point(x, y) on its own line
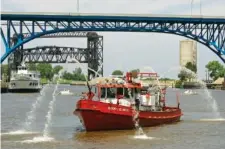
point(26, 27)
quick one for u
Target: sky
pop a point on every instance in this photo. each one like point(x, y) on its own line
point(126, 51)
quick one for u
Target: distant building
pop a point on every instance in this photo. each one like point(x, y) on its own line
point(188, 52)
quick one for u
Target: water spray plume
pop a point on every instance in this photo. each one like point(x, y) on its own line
point(211, 101)
point(31, 115)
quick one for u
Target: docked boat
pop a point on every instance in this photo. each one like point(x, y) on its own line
point(66, 92)
point(124, 103)
point(23, 80)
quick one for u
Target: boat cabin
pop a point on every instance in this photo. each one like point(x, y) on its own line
point(125, 92)
point(22, 70)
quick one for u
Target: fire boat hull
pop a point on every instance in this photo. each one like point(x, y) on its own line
point(96, 116)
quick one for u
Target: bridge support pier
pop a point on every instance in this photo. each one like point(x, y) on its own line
point(94, 55)
point(15, 59)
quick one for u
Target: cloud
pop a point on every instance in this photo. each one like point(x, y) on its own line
point(129, 50)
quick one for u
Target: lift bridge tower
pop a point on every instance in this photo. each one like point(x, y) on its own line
point(92, 55)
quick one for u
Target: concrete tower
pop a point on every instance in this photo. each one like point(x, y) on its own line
point(188, 52)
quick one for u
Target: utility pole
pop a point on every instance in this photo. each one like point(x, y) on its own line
point(191, 6)
point(200, 7)
point(77, 6)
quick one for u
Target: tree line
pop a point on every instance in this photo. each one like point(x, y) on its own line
point(214, 68)
point(47, 71)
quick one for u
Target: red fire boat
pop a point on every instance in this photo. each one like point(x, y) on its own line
point(124, 103)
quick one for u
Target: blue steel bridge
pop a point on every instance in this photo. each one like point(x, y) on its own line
point(207, 30)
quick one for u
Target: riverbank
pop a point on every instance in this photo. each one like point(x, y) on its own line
point(4, 86)
point(64, 81)
point(169, 83)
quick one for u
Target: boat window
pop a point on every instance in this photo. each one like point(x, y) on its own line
point(119, 91)
point(111, 92)
point(103, 92)
point(126, 93)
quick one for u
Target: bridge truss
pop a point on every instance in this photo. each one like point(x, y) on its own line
point(210, 31)
point(92, 55)
point(55, 54)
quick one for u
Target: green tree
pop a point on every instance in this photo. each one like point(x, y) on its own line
point(182, 76)
point(56, 69)
point(77, 75)
point(135, 71)
point(165, 79)
point(77, 71)
point(66, 75)
point(178, 84)
point(117, 72)
point(4, 68)
point(45, 70)
point(4, 71)
point(32, 66)
point(215, 69)
point(191, 67)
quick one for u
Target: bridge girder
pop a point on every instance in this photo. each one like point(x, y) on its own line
point(66, 34)
point(42, 55)
point(208, 31)
point(54, 54)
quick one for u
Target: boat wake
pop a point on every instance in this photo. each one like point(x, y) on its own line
point(139, 134)
point(213, 120)
point(143, 137)
point(39, 139)
point(18, 132)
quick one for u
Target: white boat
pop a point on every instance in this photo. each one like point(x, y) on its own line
point(190, 92)
point(24, 80)
point(66, 92)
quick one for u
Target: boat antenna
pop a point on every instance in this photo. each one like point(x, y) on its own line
point(88, 85)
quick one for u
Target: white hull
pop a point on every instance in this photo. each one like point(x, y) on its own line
point(24, 84)
point(22, 79)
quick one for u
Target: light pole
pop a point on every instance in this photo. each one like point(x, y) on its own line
point(77, 6)
point(200, 7)
point(191, 6)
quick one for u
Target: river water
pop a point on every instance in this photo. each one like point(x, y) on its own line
point(198, 128)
